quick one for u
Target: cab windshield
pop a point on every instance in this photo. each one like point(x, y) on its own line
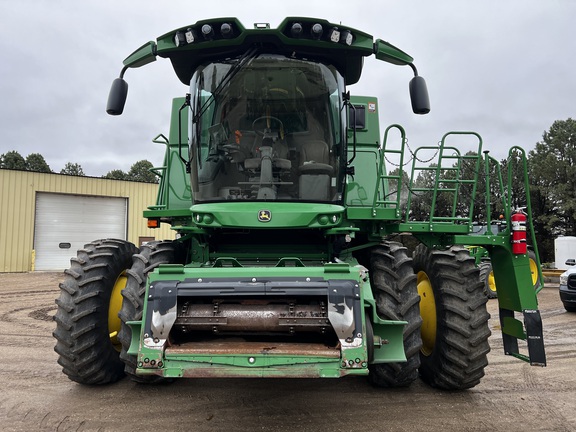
point(267, 130)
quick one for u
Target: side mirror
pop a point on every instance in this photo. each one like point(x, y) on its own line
point(419, 95)
point(117, 97)
point(571, 262)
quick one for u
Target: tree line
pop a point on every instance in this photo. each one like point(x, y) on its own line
point(139, 171)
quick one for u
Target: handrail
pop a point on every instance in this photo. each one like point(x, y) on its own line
point(381, 168)
point(160, 139)
point(523, 159)
point(441, 185)
point(163, 195)
point(487, 165)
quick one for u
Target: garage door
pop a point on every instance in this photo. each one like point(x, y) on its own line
point(65, 223)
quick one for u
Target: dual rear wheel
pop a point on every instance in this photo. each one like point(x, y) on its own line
point(87, 324)
point(102, 290)
point(439, 293)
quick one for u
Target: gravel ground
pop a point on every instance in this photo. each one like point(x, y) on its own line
point(36, 396)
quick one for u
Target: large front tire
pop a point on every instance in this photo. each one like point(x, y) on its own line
point(455, 320)
point(150, 257)
point(394, 288)
point(88, 305)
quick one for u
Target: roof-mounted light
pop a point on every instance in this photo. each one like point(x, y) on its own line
point(207, 31)
point(179, 39)
point(346, 37)
point(317, 31)
point(334, 35)
point(296, 30)
point(190, 35)
point(182, 38)
point(226, 30)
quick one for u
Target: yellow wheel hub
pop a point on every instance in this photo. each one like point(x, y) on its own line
point(534, 271)
point(491, 282)
point(114, 322)
point(427, 312)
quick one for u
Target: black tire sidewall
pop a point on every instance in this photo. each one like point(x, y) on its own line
point(461, 319)
point(150, 257)
point(394, 288)
point(82, 330)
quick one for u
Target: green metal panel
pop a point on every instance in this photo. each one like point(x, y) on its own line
point(174, 193)
point(350, 54)
point(186, 58)
point(278, 215)
point(388, 52)
point(365, 183)
point(174, 362)
point(142, 56)
point(360, 187)
point(390, 332)
point(513, 279)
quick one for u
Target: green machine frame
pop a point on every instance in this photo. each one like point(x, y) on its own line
point(371, 211)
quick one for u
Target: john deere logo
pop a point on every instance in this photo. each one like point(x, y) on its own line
point(264, 216)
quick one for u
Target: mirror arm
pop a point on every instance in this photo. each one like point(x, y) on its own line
point(123, 71)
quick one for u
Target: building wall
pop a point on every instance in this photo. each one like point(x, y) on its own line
point(17, 209)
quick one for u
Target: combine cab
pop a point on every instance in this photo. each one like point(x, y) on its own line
point(290, 259)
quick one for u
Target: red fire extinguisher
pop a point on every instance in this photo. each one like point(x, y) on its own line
point(519, 232)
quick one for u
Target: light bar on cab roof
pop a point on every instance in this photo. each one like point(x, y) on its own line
point(207, 32)
point(318, 31)
point(227, 29)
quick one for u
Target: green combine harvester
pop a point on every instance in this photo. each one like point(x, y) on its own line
point(289, 258)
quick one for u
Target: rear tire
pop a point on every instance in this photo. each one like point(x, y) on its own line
point(487, 275)
point(569, 308)
point(394, 288)
point(534, 269)
point(487, 278)
point(454, 355)
point(85, 339)
point(150, 257)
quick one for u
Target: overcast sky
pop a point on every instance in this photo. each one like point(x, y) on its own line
point(503, 68)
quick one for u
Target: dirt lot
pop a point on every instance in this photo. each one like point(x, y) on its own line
point(35, 395)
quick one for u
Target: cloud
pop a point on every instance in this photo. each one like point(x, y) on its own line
point(501, 68)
